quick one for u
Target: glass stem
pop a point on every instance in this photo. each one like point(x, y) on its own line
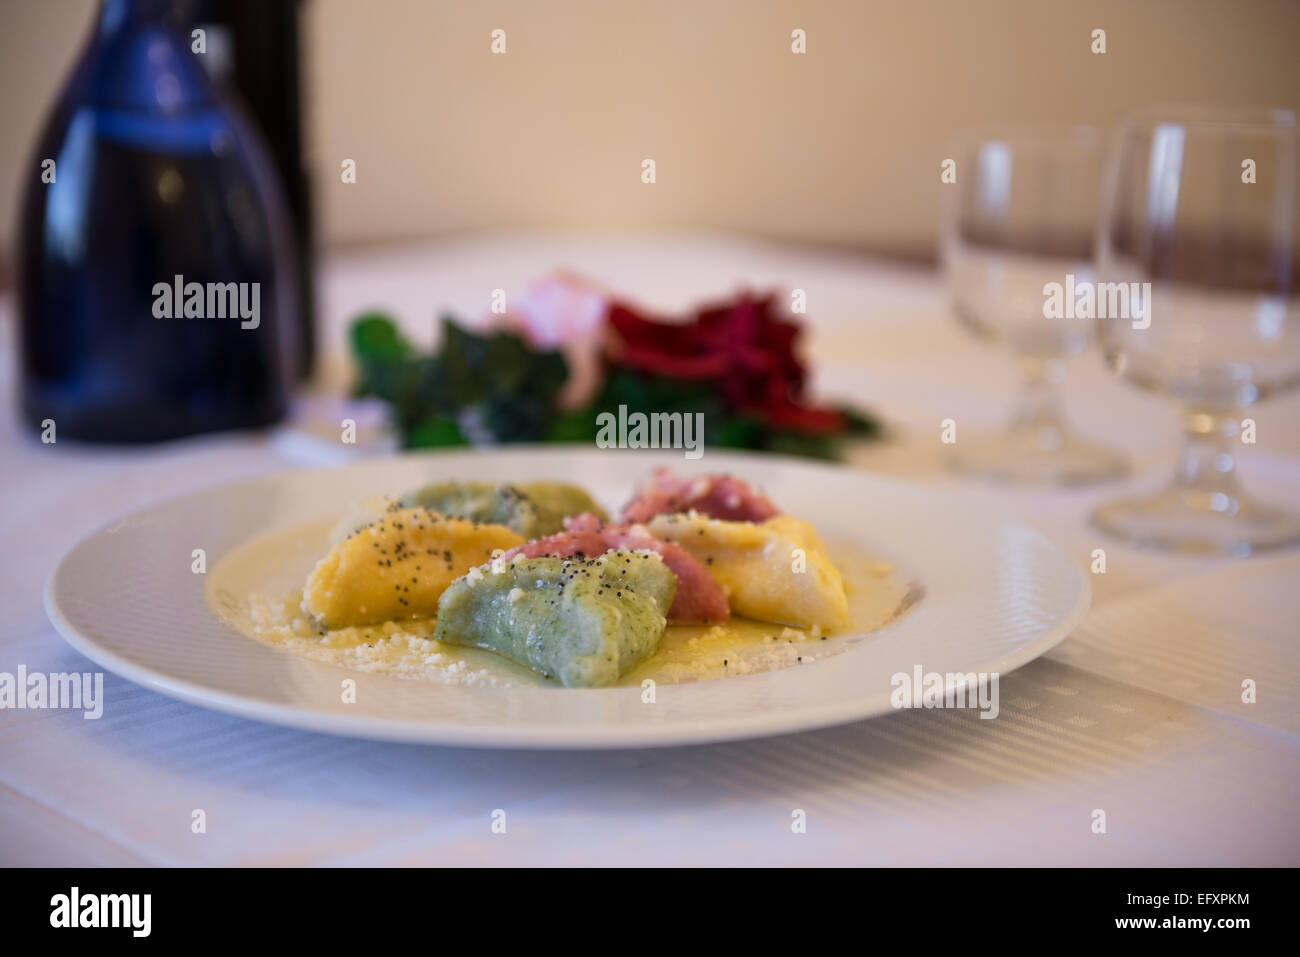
point(1207, 474)
point(1039, 407)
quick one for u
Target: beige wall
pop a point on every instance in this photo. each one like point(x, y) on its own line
point(840, 145)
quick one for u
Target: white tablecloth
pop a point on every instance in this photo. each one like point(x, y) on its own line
point(1138, 714)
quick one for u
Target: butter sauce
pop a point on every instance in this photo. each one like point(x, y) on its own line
point(271, 566)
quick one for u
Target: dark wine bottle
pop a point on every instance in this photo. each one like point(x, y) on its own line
point(156, 263)
point(254, 51)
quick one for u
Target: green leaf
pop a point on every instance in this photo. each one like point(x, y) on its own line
point(460, 364)
point(512, 419)
point(381, 355)
point(643, 393)
point(738, 433)
point(799, 443)
point(859, 422)
point(431, 432)
point(510, 362)
point(375, 337)
point(576, 426)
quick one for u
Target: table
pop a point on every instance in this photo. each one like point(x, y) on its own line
point(1138, 714)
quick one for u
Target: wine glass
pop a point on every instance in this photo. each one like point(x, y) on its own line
point(1202, 205)
point(1024, 217)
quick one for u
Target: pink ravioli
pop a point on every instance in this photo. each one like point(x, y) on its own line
point(699, 597)
point(717, 496)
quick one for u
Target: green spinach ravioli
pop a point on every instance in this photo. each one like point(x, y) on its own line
point(583, 622)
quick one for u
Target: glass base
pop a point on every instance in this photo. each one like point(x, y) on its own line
point(1042, 456)
point(1199, 522)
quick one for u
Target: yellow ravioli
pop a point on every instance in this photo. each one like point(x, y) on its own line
point(398, 567)
point(773, 571)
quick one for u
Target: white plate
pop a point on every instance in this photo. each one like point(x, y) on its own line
point(997, 595)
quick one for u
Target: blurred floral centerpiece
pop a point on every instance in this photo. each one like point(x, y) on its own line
point(567, 351)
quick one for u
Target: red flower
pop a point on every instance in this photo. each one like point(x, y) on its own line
point(742, 348)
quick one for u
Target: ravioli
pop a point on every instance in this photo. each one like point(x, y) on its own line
point(532, 509)
point(717, 496)
point(699, 597)
point(775, 570)
point(583, 622)
point(397, 566)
